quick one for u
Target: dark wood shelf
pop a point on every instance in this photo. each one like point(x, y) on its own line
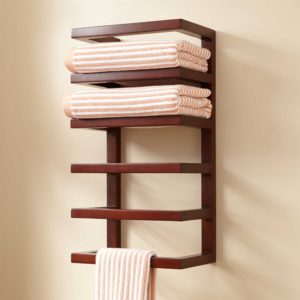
point(183, 262)
point(149, 121)
point(203, 168)
point(140, 214)
point(97, 33)
point(134, 78)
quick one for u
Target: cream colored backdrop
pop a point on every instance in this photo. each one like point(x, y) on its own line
point(258, 63)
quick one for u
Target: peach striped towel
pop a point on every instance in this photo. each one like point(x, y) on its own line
point(139, 101)
point(105, 57)
point(124, 274)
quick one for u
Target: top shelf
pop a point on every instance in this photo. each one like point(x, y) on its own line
point(177, 75)
point(107, 33)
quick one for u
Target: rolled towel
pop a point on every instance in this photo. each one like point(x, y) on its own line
point(105, 57)
point(124, 274)
point(139, 101)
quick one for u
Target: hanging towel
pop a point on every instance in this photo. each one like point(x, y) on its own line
point(139, 101)
point(124, 274)
point(105, 57)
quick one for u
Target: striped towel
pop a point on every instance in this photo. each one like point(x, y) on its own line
point(105, 57)
point(124, 274)
point(139, 101)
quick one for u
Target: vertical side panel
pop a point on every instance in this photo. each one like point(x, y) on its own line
point(208, 149)
point(114, 186)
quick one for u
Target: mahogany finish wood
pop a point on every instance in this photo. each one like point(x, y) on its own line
point(109, 39)
point(142, 168)
point(176, 75)
point(171, 120)
point(208, 154)
point(183, 262)
point(113, 186)
point(140, 214)
point(114, 167)
point(180, 25)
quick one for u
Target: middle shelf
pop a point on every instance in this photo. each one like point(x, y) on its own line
point(149, 121)
point(176, 75)
point(140, 214)
point(203, 168)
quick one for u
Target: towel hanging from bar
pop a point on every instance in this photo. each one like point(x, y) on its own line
point(124, 274)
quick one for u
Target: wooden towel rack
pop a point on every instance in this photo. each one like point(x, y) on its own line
point(114, 167)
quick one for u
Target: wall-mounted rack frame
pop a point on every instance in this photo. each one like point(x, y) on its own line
point(114, 167)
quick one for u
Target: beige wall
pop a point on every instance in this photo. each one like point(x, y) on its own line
point(258, 125)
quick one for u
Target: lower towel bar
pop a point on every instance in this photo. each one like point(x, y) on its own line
point(182, 262)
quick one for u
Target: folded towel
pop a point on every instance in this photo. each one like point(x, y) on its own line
point(124, 274)
point(139, 101)
point(105, 57)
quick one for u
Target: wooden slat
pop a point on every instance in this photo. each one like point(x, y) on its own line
point(208, 149)
point(171, 120)
point(113, 184)
point(156, 262)
point(109, 39)
point(176, 75)
point(142, 168)
point(140, 214)
point(180, 25)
